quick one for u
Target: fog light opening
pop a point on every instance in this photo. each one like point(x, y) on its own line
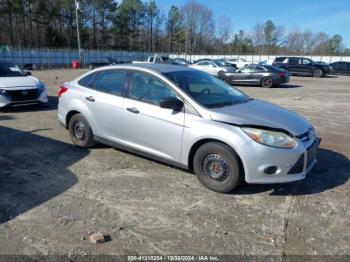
point(271, 170)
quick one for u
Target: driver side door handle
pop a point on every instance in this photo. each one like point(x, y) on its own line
point(133, 110)
point(90, 98)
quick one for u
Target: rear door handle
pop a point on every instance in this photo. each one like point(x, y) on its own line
point(90, 98)
point(133, 110)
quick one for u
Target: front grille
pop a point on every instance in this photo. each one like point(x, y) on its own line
point(311, 153)
point(22, 95)
point(298, 166)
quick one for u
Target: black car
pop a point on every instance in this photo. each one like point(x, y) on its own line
point(265, 76)
point(301, 66)
point(106, 61)
point(341, 67)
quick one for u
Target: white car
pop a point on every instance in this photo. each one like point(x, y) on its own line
point(18, 87)
point(212, 68)
point(239, 62)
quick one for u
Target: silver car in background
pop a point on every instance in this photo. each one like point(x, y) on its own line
point(190, 119)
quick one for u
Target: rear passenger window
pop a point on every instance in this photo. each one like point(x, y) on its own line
point(110, 81)
point(259, 69)
point(86, 81)
point(293, 60)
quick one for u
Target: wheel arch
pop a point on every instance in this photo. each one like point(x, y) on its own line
point(203, 141)
point(69, 116)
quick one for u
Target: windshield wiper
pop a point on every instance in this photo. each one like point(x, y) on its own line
point(229, 103)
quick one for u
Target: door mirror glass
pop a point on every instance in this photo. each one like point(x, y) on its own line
point(171, 102)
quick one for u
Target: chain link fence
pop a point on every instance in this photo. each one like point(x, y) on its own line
point(49, 58)
point(260, 58)
point(52, 58)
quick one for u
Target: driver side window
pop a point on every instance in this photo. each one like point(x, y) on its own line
point(148, 88)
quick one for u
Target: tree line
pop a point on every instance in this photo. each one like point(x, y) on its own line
point(136, 25)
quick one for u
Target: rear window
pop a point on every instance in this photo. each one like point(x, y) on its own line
point(110, 81)
point(86, 81)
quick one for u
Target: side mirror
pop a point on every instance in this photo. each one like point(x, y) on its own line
point(171, 103)
point(28, 73)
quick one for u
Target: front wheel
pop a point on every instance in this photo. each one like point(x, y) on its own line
point(317, 73)
point(80, 131)
point(267, 82)
point(221, 73)
point(217, 167)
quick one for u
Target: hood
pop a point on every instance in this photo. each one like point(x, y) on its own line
point(18, 81)
point(323, 65)
point(260, 113)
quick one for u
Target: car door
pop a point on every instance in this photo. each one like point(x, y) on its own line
point(245, 75)
point(343, 68)
point(347, 70)
point(257, 74)
point(293, 65)
point(103, 98)
point(204, 66)
point(148, 127)
point(306, 66)
point(213, 69)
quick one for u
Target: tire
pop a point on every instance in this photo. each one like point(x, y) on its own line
point(317, 73)
point(80, 131)
point(214, 155)
point(221, 73)
point(226, 80)
point(267, 82)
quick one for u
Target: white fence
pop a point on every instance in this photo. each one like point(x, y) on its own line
point(259, 58)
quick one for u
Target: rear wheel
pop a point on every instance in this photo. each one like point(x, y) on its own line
point(317, 73)
point(267, 82)
point(217, 167)
point(80, 131)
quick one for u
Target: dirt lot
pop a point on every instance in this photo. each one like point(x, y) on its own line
point(53, 195)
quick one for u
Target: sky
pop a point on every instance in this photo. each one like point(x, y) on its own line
point(329, 16)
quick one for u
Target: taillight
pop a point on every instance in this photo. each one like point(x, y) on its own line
point(281, 74)
point(62, 91)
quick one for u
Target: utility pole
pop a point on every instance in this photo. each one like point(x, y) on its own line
point(77, 22)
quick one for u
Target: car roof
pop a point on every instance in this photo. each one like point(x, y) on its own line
point(160, 68)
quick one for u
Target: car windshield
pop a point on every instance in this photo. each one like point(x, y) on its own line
point(206, 89)
point(10, 70)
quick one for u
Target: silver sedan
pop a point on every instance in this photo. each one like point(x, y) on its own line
point(190, 119)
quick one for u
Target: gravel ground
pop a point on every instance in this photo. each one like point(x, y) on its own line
point(54, 195)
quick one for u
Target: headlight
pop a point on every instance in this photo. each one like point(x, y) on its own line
point(41, 87)
point(270, 138)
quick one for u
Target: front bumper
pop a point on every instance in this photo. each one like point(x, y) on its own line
point(281, 80)
point(7, 100)
point(290, 164)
